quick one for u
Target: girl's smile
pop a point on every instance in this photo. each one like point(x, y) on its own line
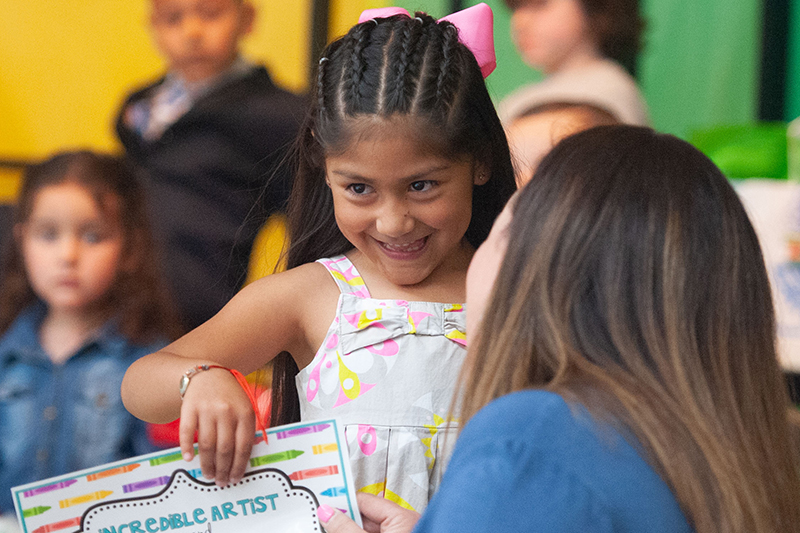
point(401, 204)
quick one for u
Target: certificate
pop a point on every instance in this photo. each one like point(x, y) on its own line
point(303, 466)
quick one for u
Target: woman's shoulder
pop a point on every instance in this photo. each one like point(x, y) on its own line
point(534, 411)
point(541, 439)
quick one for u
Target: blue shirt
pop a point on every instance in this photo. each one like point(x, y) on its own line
point(529, 462)
point(58, 418)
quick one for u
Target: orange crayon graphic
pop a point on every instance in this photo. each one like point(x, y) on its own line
point(112, 472)
point(325, 448)
point(92, 496)
point(314, 472)
point(64, 524)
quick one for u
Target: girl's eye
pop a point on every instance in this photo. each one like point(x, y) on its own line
point(422, 186)
point(46, 233)
point(92, 237)
point(358, 188)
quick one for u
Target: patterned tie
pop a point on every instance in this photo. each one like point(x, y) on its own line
point(167, 106)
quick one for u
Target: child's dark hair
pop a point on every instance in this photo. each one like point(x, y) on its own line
point(384, 68)
point(137, 298)
point(616, 24)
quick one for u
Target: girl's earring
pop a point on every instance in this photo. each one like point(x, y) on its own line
point(481, 178)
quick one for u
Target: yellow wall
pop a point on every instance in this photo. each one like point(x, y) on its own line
point(65, 66)
point(344, 13)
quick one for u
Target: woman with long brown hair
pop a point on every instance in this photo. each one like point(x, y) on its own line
point(624, 375)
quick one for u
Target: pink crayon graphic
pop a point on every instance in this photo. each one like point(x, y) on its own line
point(64, 524)
point(314, 472)
point(146, 484)
point(301, 431)
point(48, 488)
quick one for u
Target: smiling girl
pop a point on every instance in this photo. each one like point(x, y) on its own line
point(402, 167)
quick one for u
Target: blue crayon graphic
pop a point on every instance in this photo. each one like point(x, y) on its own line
point(196, 473)
point(146, 484)
point(301, 431)
point(48, 488)
point(334, 491)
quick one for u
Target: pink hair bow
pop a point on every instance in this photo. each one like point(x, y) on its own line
point(475, 30)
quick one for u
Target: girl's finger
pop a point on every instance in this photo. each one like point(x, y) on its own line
point(224, 454)
point(244, 447)
point(186, 431)
point(207, 446)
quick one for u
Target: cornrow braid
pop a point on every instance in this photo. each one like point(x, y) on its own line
point(321, 85)
point(352, 80)
point(446, 81)
point(406, 59)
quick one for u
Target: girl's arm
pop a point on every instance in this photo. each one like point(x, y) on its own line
point(282, 312)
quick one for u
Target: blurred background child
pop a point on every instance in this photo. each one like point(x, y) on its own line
point(580, 46)
point(81, 299)
point(534, 133)
point(208, 136)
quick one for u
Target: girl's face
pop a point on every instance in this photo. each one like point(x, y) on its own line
point(548, 33)
point(401, 205)
point(484, 267)
point(72, 249)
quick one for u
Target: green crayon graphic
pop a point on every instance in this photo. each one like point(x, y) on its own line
point(275, 457)
point(164, 459)
point(33, 511)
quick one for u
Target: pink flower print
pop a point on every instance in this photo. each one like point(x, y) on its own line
point(387, 347)
point(415, 318)
point(332, 341)
point(367, 439)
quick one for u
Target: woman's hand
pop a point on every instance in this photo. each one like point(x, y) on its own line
point(378, 514)
point(217, 408)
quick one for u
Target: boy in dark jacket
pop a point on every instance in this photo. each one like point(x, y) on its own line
point(209, 137)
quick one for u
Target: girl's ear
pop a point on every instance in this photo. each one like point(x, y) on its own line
point(481, 174)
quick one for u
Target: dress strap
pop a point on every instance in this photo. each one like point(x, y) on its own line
point(345, 275)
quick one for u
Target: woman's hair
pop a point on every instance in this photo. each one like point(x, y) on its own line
point(616, 24)
point(382, 69)
point(633, 284)
point(137, 298)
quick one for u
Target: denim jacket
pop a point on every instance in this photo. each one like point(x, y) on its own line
point(58, 418)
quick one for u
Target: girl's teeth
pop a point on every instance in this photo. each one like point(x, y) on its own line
point(410, 247)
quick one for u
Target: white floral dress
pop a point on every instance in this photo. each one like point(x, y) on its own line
point(388, 369)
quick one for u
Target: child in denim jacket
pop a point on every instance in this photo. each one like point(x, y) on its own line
point(80, 301)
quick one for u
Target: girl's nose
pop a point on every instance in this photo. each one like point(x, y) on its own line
point(394, 220)
point(69, 249)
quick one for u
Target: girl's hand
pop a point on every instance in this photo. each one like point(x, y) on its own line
point(219, 411)
point(378, 514)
